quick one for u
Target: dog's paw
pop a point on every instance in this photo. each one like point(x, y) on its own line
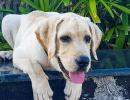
point(72, 91)
point(42, 90)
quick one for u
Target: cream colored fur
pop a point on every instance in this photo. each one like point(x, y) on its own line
point(30, 34)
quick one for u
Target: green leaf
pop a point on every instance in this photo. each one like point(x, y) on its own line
point(109, 34)
point(46, 5)
point(121, 27)
point(96, 19)
point(116, 32)
point(107, 8)
point(32, 4)
point(77, 5)
point(120, 40)
point(41, 3)
point(122, 8)
point(128, 41)
point(93, 11)
point(1, 34)
point(82, 13)
point(4, 46)
point(121, 35)
point(66, 2)
point(6, 10)
point(23, 10)
point(58, 5)
point(36, 2)
point(125, 22)
point(92, 6)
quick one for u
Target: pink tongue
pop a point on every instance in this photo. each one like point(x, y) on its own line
point(77, 77)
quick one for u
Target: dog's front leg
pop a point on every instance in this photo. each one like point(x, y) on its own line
point(72, 91)
point(40, 85)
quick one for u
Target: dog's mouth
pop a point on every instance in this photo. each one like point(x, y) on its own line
point(77, 77)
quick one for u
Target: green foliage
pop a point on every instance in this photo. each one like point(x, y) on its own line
point(107, 7)
point(66, 2)
point(6, 10)
point(3, 44)
point(123, 8)
point(32, 4)
point(93, 11)
point(44, 5)
point(109, 34)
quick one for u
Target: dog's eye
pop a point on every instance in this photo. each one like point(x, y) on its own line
point(65, 39)
point(87, 39)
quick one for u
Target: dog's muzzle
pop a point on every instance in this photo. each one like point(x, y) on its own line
point(75, 77)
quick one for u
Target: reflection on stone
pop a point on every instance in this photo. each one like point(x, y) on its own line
point(107, 89)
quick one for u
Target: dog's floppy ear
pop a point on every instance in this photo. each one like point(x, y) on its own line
point(52, 35)
point(47, 33)
point(96, 37)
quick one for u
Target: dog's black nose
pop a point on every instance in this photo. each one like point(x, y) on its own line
point(82, 62)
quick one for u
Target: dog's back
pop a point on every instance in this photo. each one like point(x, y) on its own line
point(10, 26)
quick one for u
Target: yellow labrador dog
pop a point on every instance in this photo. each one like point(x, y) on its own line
point(52, 41)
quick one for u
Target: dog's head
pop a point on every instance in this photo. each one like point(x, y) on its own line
point(70, 37)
